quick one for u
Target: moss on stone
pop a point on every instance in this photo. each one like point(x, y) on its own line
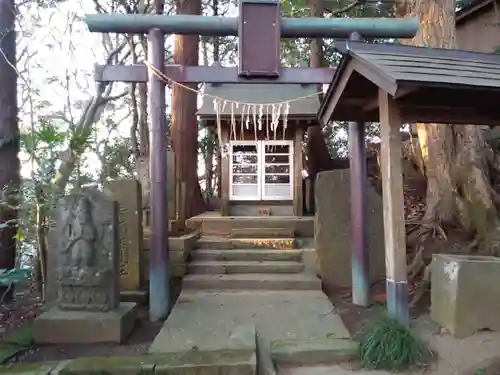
point(41, 368)
point(133, 365)
point(22, 336)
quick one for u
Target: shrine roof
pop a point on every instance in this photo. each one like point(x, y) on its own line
point(429, 84)
point(263, 94)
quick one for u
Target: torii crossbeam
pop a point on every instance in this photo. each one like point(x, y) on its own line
point(259, 27)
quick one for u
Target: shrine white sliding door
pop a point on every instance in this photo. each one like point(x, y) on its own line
point(245, 171)
point(277, 167)
point(261, 170)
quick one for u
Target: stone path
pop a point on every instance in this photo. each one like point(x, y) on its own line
point(255, 295)
point(299, 320)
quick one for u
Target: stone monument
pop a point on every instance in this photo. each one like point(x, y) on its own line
point(129, 197)
point(332, 228)
point(84, 235)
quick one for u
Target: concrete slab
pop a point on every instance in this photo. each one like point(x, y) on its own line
point(205, 320)
point(230, 267)
point(247, 255)
point(252, 281)
point(57, 326)
point(329, 370)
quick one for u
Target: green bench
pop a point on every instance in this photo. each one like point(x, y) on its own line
point(14, 276)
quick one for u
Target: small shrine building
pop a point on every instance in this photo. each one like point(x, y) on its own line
point(261, 131)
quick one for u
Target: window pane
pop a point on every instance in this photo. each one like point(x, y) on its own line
point(245, 190)
point(278, 159)
point(244, 168)
point(242, 179)
point(277, 168)
point(244, 159)
point(244, 149)
point(277, 179)
point(277, 149)
point(280, 190)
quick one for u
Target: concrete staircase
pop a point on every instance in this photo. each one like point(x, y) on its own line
point(249, 263)
point(252, 291)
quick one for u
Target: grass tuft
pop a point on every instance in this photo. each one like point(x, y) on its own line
point(386, 344)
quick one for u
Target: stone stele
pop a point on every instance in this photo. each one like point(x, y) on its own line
point(84, 234)
point(129, 197)
point(332, 228)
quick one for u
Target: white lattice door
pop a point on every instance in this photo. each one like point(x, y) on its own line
point(261, 170)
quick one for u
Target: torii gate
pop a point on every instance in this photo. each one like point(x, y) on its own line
point(259, 28)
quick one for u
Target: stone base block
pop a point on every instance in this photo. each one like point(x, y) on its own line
point(465, 293)
point(140, 297)
point(57, 326)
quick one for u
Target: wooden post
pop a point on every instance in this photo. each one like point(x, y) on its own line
point(298, 196)
point(360, 257)
point(359, 251)
point(394, 219)
point(225, 176)
point(159, 272)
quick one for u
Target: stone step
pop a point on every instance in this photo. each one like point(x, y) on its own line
point(313, 352)
point(263, 255)
point(303, 226)
point(262, 233)
point(225, 243)
point(252, 281)
point(232, 267)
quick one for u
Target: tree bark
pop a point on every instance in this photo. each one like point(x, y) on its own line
point(10, 177)
point(459, 192)
point(318, 157)
point(184, 122)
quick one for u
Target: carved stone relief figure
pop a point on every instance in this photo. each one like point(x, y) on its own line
point(86, 239)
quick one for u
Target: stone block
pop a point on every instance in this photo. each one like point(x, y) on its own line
point(311, 261)
point(129, 197)
point(57, 326)
point(40, 368)
point(465, 293)
point(132, 365)
point(217, 362)
point(310, 353)
point(333, 229)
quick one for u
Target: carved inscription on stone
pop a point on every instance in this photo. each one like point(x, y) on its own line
point(85, 236)
point(122, 219)
point(128, 195)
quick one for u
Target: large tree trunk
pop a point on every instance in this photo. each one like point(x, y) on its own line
point(184, 123)
point(318, 157)
point(9, 137)
point(459, 192)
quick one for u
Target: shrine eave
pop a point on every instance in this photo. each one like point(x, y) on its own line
point(303, 100)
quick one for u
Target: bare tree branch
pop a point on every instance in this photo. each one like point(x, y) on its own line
point(347, 8)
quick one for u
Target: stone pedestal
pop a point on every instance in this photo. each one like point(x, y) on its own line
point(465, 293)
point(57, 326)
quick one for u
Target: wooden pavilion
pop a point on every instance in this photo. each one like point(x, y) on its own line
point(394, 84)
point(261, 129)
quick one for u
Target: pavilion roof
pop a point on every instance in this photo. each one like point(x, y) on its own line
point(429, 84)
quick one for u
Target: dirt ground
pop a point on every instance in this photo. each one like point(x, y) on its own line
point(478, 354)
